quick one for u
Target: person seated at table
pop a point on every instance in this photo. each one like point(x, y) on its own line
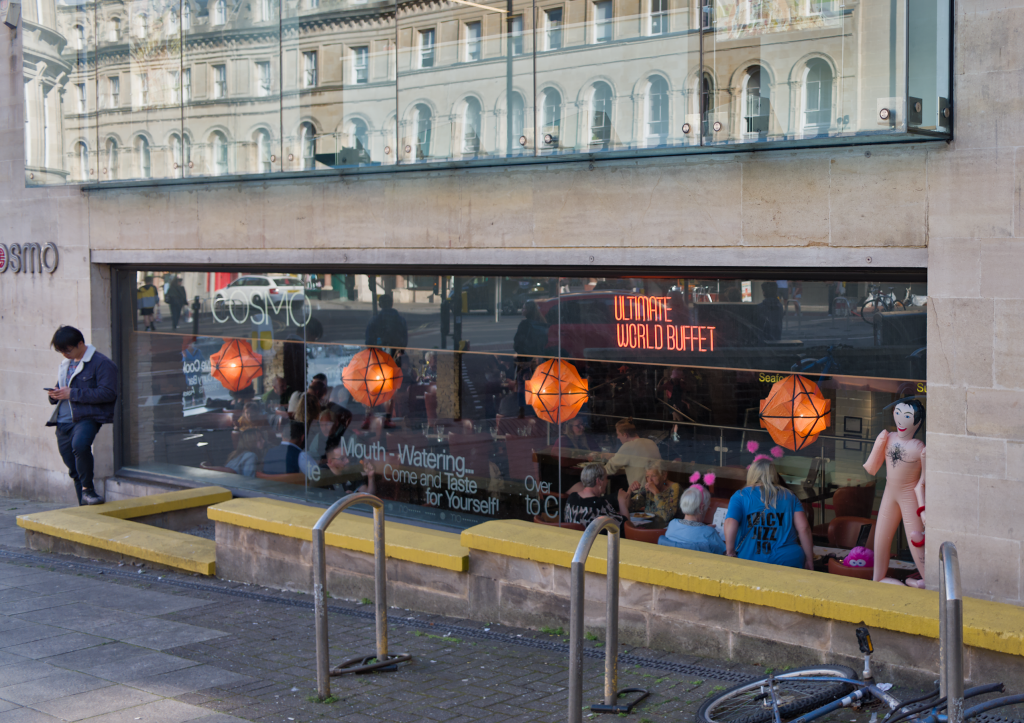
point(289, 457)
point(634, 454)
point(575, 436)
point(252, 417)
point(592, 500)
point(339, 463)
point(661, 495)
point(766, 522)
point(323, 434)
point(245, 460)
point(690, 532)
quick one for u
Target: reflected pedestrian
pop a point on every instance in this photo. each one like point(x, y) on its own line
point(149, 299)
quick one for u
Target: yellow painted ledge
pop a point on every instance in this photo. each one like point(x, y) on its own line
point(109, 527)
point(349, 532)
point(989, 625)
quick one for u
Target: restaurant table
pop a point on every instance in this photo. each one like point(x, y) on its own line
point(649, 532)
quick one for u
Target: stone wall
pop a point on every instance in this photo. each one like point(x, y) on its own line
point(524, 593)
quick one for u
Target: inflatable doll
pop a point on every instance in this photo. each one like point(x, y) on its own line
point(904, 458)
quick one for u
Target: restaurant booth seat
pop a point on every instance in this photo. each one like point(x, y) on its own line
point(640, 534)
point(844, 531)
point(713, 505)
point(837, 568)
point(850, 502)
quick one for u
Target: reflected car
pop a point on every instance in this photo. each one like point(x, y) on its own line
point(270, 292)
point(587, 321)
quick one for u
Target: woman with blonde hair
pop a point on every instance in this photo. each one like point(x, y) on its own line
point(766, 522)
point(245, 460)
point(660, 495)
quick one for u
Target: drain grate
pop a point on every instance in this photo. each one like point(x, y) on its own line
point(461, 631)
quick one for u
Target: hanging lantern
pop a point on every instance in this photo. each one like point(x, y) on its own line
point(556, 391)
point(236, 365)
point(372, 377)
point(795, 412)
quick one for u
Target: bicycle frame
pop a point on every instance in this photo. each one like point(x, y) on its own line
point(863, 690)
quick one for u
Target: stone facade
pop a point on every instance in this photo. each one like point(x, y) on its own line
point(954, 208)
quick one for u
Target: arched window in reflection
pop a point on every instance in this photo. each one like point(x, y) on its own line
point(112, 159)
point(601, 114)
point(756, 101)
point(307, 146)
point(82, 160)
point(358, 135)
point(172, 22)
point(115, 30)
point(219, 148)
point(79, 37)
point(145, 169)
point(657, 111)
point(817, 96)
point(186, 16)
point(471, 126)
point(517, 117)
point(551, 116)
point(423, 121)
point(186, 155)
point(263, 162)
point(141, 26)
point(707, 101)
point(220, 12)
point(174, 146)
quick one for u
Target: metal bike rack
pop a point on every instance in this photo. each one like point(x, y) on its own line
point(951, 633)
point(611, 650)
point(362, 663)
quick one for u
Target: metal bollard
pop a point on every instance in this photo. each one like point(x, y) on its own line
point(576, 604)
point(951, 633)
point(383, 662)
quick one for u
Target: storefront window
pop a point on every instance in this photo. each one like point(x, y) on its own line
point(418, 388)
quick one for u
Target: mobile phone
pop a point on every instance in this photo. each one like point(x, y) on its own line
point(49, 389)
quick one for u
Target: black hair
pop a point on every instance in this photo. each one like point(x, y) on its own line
point(66, 338)
point(915, 404)
point(386, 301)
point(321, 376)
point(314, 330)
point(296, 432)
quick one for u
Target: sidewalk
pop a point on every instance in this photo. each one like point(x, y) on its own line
point(87, 640)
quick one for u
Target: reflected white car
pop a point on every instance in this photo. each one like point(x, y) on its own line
point(267, 292)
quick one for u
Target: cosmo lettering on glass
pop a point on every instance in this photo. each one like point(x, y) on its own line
point(645, 322)
point(29, 258)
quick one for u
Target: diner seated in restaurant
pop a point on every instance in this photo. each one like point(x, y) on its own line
point(340, 466)
point(592, 500)
point(635, 453)
point(575, 436)
point(690, 532)
point(766, 522)
point(328, 430)
point(289, 457)
point(659, 494)
point(245, 460)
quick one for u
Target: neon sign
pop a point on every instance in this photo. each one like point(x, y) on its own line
point(645, 322)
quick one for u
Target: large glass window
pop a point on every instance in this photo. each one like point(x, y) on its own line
point(436, 392)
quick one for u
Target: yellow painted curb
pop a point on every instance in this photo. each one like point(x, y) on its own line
point(109, 527)
point(989, 625)
point(349, 532)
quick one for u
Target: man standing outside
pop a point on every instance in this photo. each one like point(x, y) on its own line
point(149, 298)
point(85, 395)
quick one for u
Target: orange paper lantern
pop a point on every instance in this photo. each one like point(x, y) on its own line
point(795, 412)
point(236, 365)
point(556, 391)
point(372, 377)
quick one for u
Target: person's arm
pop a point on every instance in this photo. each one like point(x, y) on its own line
point(371, 478)
point(307, 464)
point(623, 504)
point(919, 489)
point(731, 528)
point(877, 457)
point(618, 461)
point(803, 531)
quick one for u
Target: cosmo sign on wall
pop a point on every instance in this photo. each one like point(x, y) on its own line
point(31, 258)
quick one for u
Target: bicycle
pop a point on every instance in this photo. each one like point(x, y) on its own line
point(825, 365)
point(806, 694)
point(877, 302)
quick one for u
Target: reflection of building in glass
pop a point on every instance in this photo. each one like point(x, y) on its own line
point(267, 86)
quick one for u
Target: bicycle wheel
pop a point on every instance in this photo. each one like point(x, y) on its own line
point(750, 702)
point(870, 309)
point(980, 712)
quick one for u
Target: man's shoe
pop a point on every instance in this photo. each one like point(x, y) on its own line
point(91, 498)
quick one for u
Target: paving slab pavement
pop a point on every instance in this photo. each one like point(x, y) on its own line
point(82, 640)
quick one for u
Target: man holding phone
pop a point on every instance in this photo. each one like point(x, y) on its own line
point(85, 395)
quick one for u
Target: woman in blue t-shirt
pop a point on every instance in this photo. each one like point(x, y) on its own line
point(766, 522)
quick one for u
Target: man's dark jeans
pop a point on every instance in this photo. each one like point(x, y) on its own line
point(75, 444)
